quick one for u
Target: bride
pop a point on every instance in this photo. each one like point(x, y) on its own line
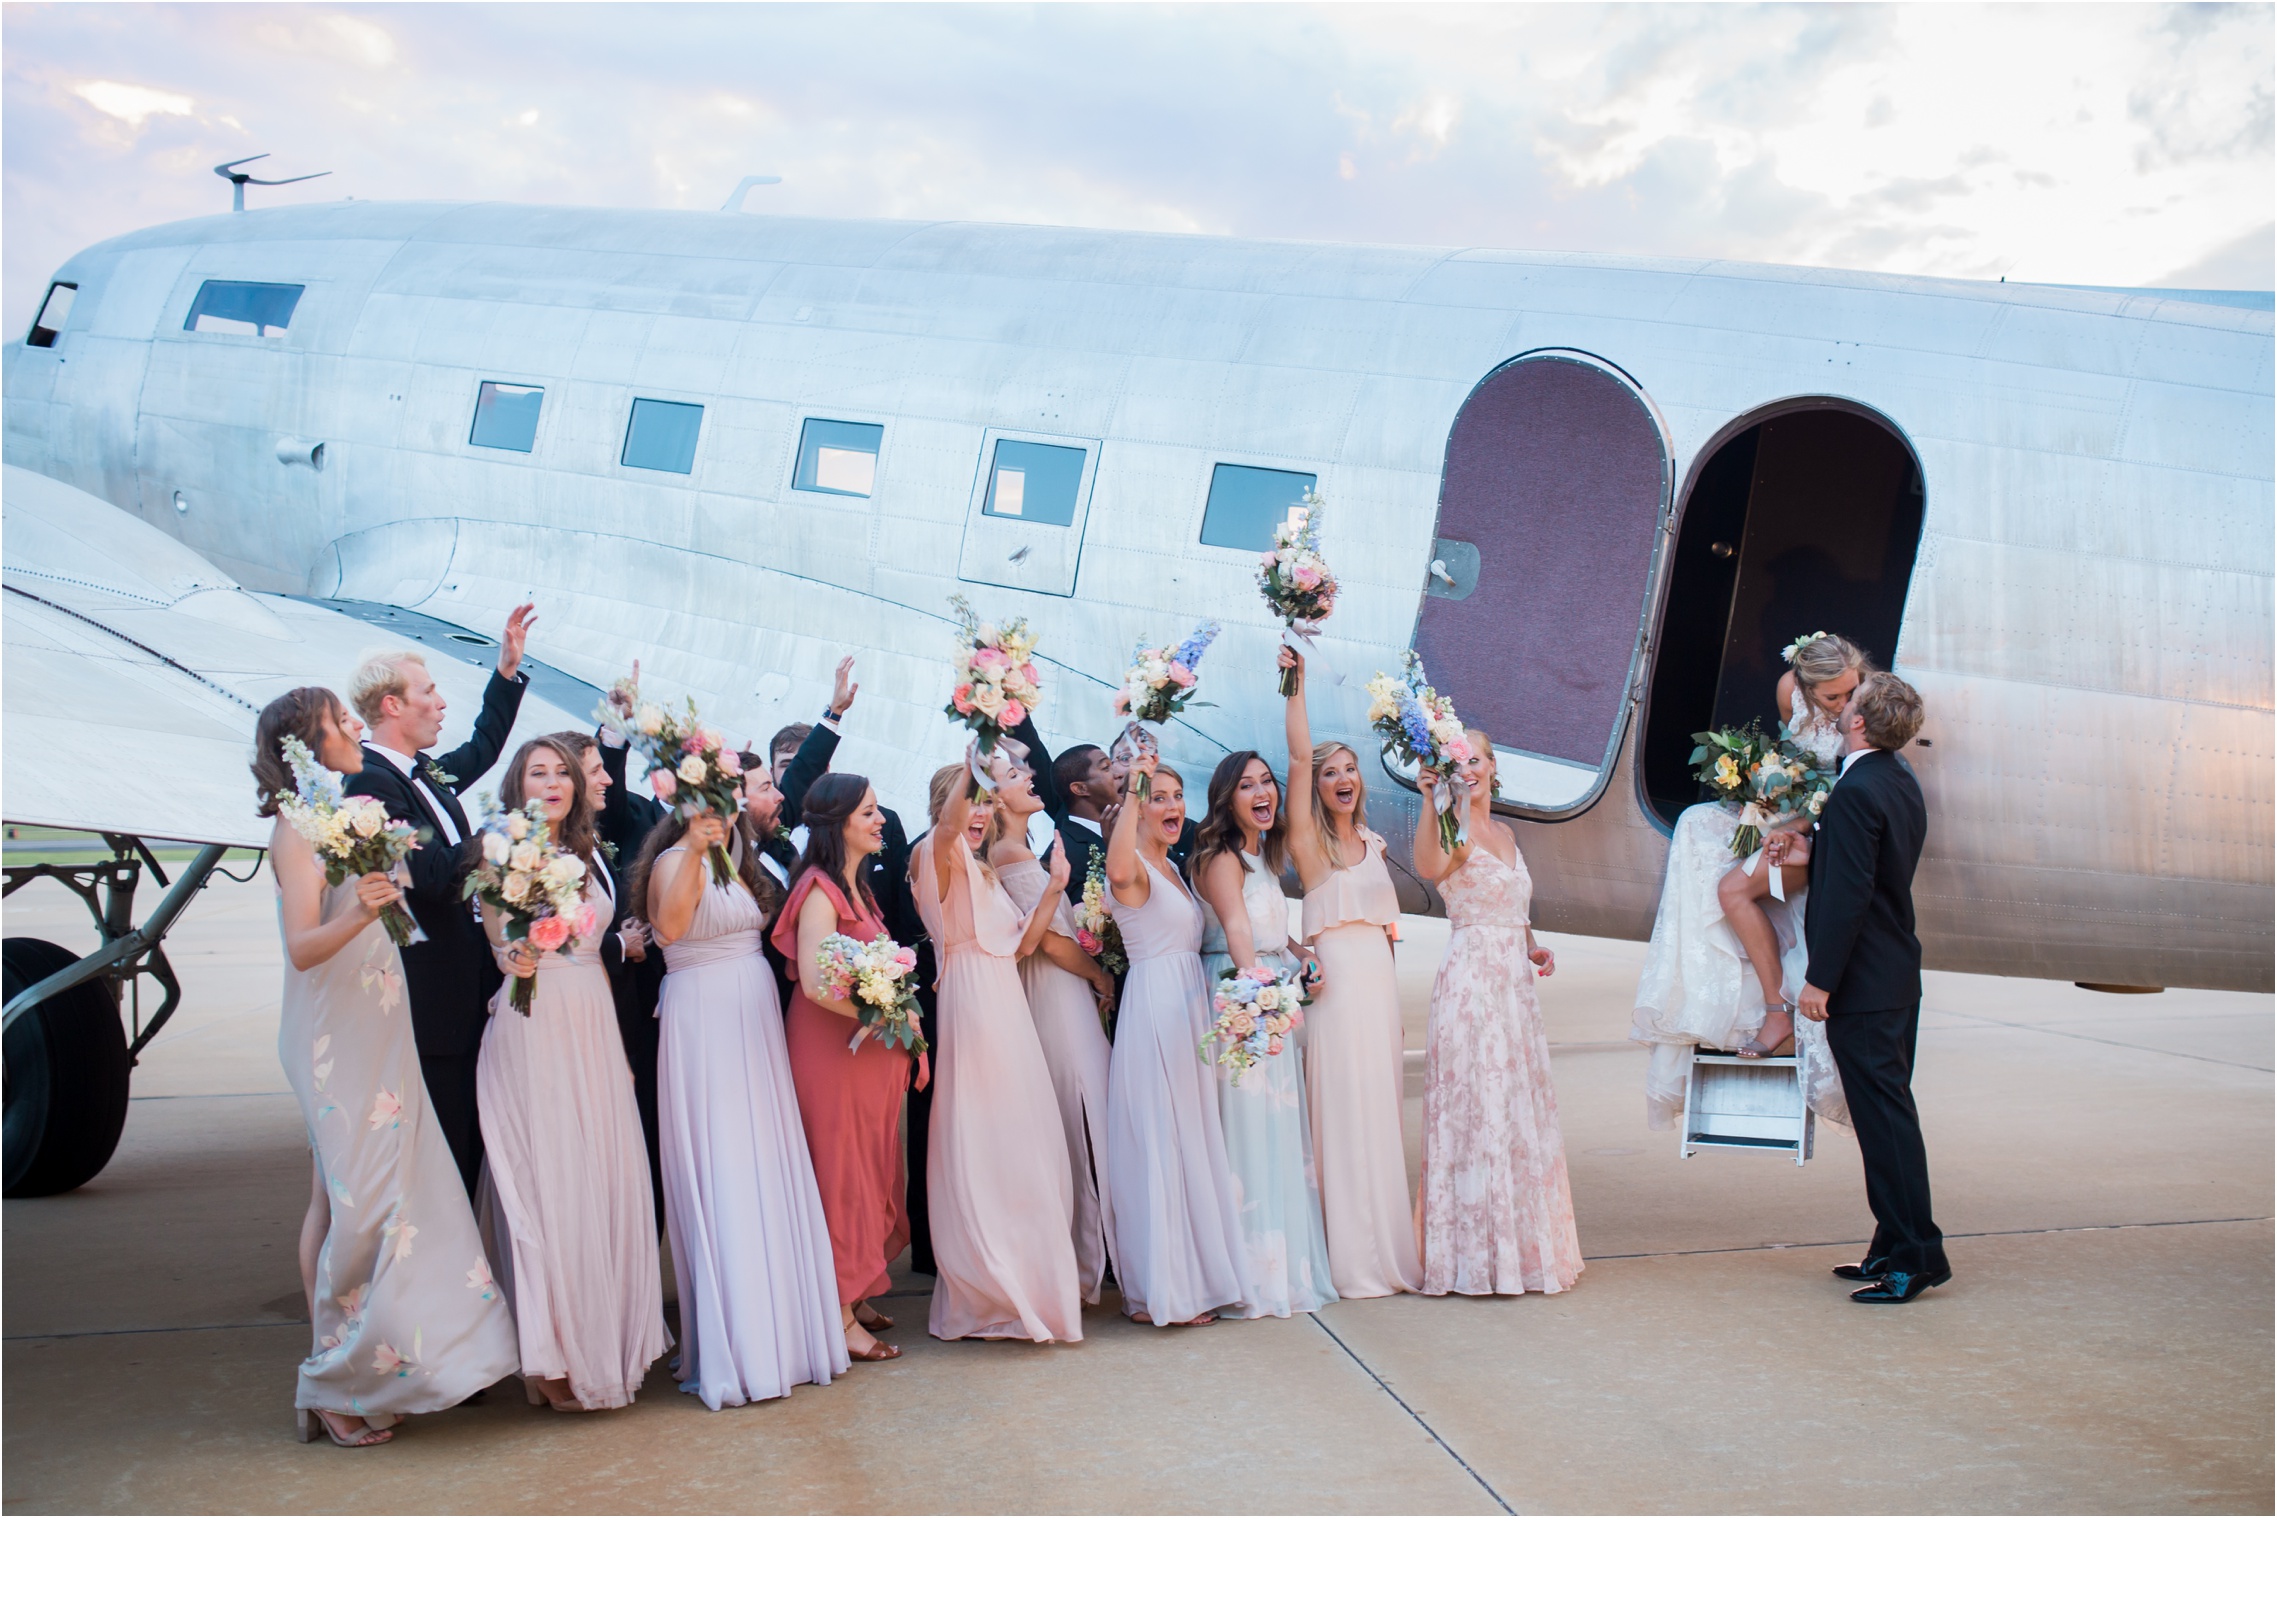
point(1726, 959)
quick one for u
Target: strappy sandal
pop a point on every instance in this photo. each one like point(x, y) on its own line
point(876, 1322)
point(312, 1422)
point(1754, 1050)
point(874, 1354)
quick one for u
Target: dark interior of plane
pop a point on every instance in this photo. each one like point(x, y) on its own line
point(1808, 520)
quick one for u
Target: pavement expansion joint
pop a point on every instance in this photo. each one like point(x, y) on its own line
point(1389, 1393)
point(2097, 1039)
point(1950, 1235)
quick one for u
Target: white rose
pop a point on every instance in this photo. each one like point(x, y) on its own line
point(565, 870)
point(527, 857)
point(692, 769)
point(988, 699)
point(495, 848)
point(517, 825)
point(370, 820)
point(649, 720)
point(516, 887)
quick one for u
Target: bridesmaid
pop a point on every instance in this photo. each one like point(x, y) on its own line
point(1355, 1059)
point(998, 1188)
point(403, 1316)
point(1177, 1224)
point(1067, 990)
point(1495, 1214)
point(563, 1158)
point(849, 1100)
point(1238, 858)
point(758, 1288)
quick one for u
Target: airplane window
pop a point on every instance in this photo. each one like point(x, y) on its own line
point(54, 311)
point(1248, 502)
point(1035, 482)
point(662, 435)
point(506, 416)
point(838, 457)
point(245, 308)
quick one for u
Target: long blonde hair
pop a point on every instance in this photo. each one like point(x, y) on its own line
point(1320, 830)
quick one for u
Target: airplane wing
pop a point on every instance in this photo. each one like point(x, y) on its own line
point(134, 671)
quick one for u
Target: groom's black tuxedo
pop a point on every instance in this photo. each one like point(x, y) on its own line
point(1858, 927)
point(450, 976)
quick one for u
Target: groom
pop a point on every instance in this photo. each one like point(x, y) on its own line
point(450, 976)
point(1864, 980)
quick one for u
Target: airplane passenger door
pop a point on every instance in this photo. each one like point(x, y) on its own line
point(1553, 501)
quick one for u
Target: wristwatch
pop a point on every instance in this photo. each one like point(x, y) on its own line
point(832, 714)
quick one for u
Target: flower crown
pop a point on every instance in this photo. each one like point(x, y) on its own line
point(1792, 647)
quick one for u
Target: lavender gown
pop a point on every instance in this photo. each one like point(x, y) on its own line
point(758, 1286)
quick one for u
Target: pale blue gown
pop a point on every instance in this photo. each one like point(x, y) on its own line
point(1268, 1137)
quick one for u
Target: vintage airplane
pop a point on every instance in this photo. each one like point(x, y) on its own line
point(1596, 494)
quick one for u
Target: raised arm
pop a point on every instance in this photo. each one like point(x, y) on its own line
point(1056, 873)
point(676, 881)
point(1040, 760)
point(1433, 863)
point(1219, 883)
point(1126, 868)
point(1312, 864)
point(948, 837)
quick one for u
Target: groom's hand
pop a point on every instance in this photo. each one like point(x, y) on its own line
point(1813, 1002)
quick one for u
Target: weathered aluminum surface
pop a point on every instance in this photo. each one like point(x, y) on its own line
point(2090, 617)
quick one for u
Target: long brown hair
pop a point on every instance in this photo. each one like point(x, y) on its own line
point(830, 803)
point(575, 833)
point(668, 831)
point(1222, 833)
point(300, 712)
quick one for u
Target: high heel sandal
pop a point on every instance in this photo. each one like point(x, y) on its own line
point(1752, 1049)
point(308, 1423)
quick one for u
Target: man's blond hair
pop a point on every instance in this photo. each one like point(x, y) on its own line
point(1890, 709)
point(378, 677)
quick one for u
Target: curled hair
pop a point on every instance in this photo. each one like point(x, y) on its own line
point(1890, 710)
point(300, 712)
point(1223, 832)
point(830, 803)
point(1321, 831)
point(1829, 657)
point(668, 831)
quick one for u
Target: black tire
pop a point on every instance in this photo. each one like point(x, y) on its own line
point(67, 1068)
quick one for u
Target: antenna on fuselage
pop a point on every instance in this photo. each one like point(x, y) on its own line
point(734, 204)
point(228, 171)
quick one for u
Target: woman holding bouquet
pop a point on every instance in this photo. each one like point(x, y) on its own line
point(849, 1099)
point(997, 1182)
point(1066, 989)
point(389, 1246)
point(1355, 1058)
point(1237, 863)
point(565, 1163)
point(1496, 1213)
point(1178, 1246)
point(759, 1310)
point(1724, 952)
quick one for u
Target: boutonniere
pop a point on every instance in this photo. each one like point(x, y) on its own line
point(607, 848)
point(437, 774)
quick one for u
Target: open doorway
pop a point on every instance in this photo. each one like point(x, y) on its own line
point(1805, 519)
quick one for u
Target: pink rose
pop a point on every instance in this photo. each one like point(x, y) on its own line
point(1272, 1047)
point(588, 921)
point(962, 697)
point(1028, 673)
point(1180, 674)
point(549, 933)
point(988, 657)
point(907, 957)
point(1010, 714)
point(1307, 577)
point(663, 783)
point(1088, 940)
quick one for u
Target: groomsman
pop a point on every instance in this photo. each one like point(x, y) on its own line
point(1082, 791)
point(450, 976)
point(1864, 980)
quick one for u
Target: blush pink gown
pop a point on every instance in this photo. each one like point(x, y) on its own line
point(1496, 1212)
point(997, 1181)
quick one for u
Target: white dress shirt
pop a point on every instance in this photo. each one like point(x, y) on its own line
point(1849, 759)
point(410, 766)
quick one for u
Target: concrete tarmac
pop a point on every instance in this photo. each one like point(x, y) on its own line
point(2102, 1166)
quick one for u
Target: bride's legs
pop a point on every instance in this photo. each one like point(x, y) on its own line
point(1742, 896)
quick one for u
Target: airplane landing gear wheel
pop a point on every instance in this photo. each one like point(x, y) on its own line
point(67, 1068)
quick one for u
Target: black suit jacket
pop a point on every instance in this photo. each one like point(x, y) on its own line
point(451, 976)
point(626, 818)
point(1858, 923)
point(634, 985)
point(1079, 840)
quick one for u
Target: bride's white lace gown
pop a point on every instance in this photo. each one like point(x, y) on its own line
point(1698, 988)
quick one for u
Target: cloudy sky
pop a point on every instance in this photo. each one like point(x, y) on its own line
point(2111, 145)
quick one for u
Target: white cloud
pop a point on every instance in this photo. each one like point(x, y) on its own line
point(131, 103)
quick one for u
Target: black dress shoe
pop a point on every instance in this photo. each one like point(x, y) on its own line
point(1870, 1270)
point(1900, 1286)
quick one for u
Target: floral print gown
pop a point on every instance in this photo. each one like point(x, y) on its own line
point(408, 1317)
point(1495, 1213)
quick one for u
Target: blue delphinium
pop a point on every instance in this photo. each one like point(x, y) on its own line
point(1190, 649)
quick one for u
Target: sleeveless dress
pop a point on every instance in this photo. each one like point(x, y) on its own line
point(1268, 1130)
point(1178, 1243)
point(850, 1105)
point(758, 1288)
point(1066, 1015)
point(1698, 987)
point(998, 1190)
point(1356, 1068)
point(565, 1168)
point(407, 1317)
point(1496, 1213)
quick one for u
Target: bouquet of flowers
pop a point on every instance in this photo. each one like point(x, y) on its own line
point(1096, 929)
point(877, 979)
point(1257, 1011)
point(1297, 586)
point(691, 767)
point(1159, 685)
point(540, 891)
point(996, 685)
point(353, 836)
point(1747, 768)
point(1421, 726)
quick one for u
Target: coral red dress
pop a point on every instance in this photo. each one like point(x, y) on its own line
point(850, 1102)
